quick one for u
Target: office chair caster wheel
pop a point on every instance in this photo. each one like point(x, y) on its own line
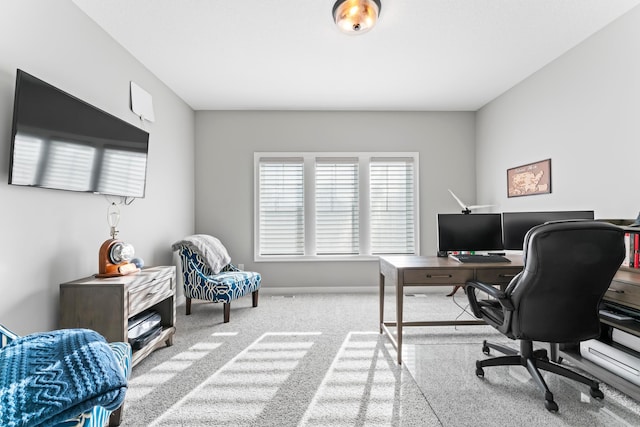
point(551, 405)
point(485, 348)
point(479, 370)
point(596, 393)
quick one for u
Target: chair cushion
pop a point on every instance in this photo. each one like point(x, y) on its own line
point(493, 311)
point(225, 287)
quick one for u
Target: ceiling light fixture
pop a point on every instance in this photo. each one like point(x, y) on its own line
point(356, 16)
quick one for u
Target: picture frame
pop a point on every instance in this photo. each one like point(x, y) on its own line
point(527, 180)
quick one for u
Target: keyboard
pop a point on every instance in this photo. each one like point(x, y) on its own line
point(467, 258)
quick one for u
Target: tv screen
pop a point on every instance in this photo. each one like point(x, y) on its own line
point(473, 232)
point(516, 224)
point(61, 142)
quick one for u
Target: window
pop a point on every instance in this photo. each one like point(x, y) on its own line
point(337, 219)
point(281, 207)
point(392, 206)
point(314, 206)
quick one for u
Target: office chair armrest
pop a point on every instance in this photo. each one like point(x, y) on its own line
point(492, 291)
point(487, 289)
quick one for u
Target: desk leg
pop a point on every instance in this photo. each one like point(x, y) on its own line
point(399, 300)
point(381, 300)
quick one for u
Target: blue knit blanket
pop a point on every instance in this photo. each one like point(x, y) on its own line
point(46, 378)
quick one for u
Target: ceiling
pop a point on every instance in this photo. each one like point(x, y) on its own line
point(424, 55)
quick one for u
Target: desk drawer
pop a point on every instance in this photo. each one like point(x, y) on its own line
point(624, 293)
point(497, 276)
point(152, 293)
point(438, 276)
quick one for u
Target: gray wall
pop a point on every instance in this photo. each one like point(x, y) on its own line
point(583, 112)
point(49, 236)
point(226, 141)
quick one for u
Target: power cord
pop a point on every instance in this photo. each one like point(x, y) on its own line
point(121, 200)
point(464, 310)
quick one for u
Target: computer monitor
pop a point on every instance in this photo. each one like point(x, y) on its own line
point(472, 232)
point(516, 224)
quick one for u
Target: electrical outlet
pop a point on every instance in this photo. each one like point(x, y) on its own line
point(241, 266)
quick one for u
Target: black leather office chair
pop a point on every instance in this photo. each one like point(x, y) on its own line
point(568, 267)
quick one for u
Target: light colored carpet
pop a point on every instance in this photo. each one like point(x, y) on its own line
point(459, 398)
point(318, 360)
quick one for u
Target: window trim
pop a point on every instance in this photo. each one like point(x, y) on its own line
point(309, 158)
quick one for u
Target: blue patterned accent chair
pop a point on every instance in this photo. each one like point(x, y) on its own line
point(229, 284)
point(52, 412)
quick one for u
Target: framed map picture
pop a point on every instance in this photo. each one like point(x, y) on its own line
point(526, 180)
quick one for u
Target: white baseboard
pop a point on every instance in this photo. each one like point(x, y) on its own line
point(336, 290)
point(292, 290)
point(286, 290)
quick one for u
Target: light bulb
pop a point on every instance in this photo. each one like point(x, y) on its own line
point(113, 218)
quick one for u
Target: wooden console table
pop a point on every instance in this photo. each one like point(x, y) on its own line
point(404, 271)
point(106, 305)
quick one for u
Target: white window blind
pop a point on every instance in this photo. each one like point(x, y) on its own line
point(337, 213)
point(312, 206)
point(281, 204)
point(392, 206)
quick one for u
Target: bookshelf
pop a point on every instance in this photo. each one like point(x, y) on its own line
point(625, 291)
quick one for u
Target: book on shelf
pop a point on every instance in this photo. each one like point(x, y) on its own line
point(632, 249)
point(636, 249)
point(627, 238)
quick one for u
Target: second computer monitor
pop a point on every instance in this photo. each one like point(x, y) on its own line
point(473, 232)
point(516, 224)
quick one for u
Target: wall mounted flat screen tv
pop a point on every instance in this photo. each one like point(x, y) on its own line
point(473, 232)
point(516, 224)
point(61, 142)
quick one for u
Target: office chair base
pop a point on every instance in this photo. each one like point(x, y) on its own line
point(534, 361)
point(551, 406)
point(487, 346)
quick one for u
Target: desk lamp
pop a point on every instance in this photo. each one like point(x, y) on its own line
point(114, 254)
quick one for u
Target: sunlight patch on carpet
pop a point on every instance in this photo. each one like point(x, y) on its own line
point(359, 385)
point(239, 391)
point(141, 386)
